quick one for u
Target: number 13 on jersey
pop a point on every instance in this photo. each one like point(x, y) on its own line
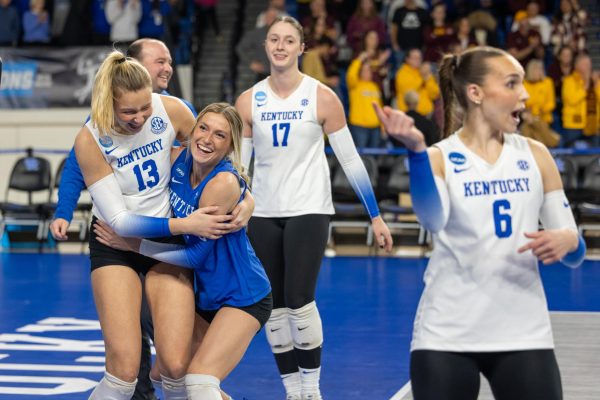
point(283, 128)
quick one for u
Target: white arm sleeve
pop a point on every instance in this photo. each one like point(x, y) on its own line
point(107, 197)
point(247, 148)
point(556, 212)
point(343, 146)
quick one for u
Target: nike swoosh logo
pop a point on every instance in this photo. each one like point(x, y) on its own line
point(175, 181)
point(107, 152)
point(309, 372)
point(275, 330)
point(459, 170)
point(303, 328)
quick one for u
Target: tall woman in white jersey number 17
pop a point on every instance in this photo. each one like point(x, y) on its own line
point(482, 191)
point(285, 117)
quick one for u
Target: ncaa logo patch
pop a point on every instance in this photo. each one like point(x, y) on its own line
point(180, 170)
point(457, 158)
point(304, 102)
point(261, 98)
point(105, 141)
point(157, 125)
point(523, 165)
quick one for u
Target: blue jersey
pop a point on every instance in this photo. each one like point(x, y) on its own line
point(231, 273)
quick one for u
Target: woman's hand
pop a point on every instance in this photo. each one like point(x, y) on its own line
point(401, 127)
point(242, 212)
point(382, 234)
point(202, 223)
point(551, 245)
point(108, 237)
point(59, 228)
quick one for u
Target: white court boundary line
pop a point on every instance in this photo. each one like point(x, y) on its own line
point(402, 392)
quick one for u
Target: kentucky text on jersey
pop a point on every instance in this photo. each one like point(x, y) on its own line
point(179, 205)
point(483, 188)
point(141, 152)
point(280, 115)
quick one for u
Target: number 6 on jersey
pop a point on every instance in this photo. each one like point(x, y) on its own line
point(502, 221)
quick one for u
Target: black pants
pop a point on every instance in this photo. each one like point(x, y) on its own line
point(513, 375)
point(291, 250)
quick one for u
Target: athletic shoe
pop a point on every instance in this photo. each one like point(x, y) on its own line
point(312, 396)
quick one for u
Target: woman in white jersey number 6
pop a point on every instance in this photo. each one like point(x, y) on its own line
point(482, 191)
point(285, 117)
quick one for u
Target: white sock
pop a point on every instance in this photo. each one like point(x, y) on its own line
point(112, 388)
point(202, 387)
point(292, 383)
point(156, 384)
point(310, 382)
point(173, 389)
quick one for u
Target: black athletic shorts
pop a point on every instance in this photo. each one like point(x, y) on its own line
point(260, 310)
point(102, 255)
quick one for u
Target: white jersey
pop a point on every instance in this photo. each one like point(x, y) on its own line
point(291, 174)
point(141, 162)
point(480, 293)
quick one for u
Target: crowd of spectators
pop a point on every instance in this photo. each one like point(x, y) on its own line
point(376, 49)
point(93, 22)
point(402, 41)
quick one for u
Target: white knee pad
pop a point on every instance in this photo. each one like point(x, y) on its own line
point(306, 327)
point(278, 331)
point(173, 389)
point(202, 387)
point(112, 388)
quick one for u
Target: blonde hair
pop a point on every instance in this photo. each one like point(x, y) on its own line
point(117, 74)
point(235, 123)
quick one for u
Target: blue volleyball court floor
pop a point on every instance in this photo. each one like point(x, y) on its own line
point(51, 345)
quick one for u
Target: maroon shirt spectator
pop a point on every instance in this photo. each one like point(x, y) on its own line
point(318, 10)
point(463, 37)
point(568, 27)
point(377, 58)
point(525, 44)
point(364, 19)
point(561, 66)
point(438, 36)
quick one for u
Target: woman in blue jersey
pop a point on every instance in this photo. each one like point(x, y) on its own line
point(482, 191)
point(124, 154)
point(233, 294)
point(285, 119)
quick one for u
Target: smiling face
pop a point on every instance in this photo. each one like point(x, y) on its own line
point(283, 45)
point(132, 110)
point(502, 96)
point(211, 140)
point(156, 58)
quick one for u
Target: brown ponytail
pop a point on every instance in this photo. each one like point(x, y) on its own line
point(456, 72)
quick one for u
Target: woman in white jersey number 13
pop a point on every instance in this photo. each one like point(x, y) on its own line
point(482, 192)
point(285, 117)
point(124, 154)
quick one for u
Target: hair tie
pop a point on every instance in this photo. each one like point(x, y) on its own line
point(455, 61)
point(121, 60)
